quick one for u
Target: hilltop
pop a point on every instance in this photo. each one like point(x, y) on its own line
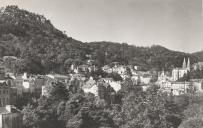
point(42, 48)
point(33, 39)
point(199, 55)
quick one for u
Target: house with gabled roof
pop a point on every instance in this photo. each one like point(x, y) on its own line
point(10, 117)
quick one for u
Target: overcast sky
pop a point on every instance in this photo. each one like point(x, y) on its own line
point(175, 24)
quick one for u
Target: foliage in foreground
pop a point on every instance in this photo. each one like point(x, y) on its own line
point(193, 116)
point(66, 109)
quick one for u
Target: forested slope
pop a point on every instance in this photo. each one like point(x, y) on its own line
point(42, 48)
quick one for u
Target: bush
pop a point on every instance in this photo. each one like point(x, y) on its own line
point(194, 122)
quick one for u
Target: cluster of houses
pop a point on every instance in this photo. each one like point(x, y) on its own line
point(99, 86)
point(168, 82)
point(139, 78)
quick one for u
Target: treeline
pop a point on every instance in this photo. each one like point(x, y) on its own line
point(155, 57)
point(41, 48)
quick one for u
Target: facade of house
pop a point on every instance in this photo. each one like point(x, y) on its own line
point(104, 88)
point(13, 96)
point(4, 94)
point(90, 86)
point(23, 83)
point(32, 84)
point(78, 76)
point(119, 69)
point(59, 78)
point(107, 69)
point(179, 88)
point(39, 82)
point(162, 77)
point(2, 72)
point(83, 68)
point(10, 117)
point(145, 79)
point(142, 78)
point(175, 88)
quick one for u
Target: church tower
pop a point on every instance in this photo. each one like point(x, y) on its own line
point(188, 64)
point(184, 64)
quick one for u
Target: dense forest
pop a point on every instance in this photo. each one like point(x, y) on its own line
point(41, 48)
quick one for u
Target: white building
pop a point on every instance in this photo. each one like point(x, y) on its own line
point(176, 88)
point(58, 77)
point(90, 87)
point(116, 85)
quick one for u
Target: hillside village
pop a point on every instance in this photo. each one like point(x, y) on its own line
point(15, 88)
point(50, 80)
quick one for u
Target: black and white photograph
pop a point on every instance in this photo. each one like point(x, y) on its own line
point(101, 64)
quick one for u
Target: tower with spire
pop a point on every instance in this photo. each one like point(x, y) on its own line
point(188, 64)
point(180, 72)
point(184, 64)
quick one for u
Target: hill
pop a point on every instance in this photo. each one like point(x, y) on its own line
point(155, 57)
point(199, 55)
point(34, 40)
point(42, 48)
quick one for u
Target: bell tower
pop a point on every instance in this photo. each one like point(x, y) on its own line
point(184, 64)
point(188, 64)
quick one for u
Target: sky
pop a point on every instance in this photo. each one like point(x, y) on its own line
point(175, 24)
